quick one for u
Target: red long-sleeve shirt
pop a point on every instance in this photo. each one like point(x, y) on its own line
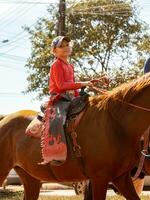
point(62, 78)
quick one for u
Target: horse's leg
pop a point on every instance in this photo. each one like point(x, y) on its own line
point(99, 188)
point(3, 177)
point(30, 184)
point(88, 191)
point(4, 171)
point(125, 186)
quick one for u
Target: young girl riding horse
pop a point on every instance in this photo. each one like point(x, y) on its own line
point(63, 89)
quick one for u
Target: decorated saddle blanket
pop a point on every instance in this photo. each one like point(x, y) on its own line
point(54, 147)
point(53, 139)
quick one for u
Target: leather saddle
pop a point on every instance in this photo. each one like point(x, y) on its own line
point(77, 105)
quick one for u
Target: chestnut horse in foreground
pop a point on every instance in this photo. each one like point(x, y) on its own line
point(109, 135)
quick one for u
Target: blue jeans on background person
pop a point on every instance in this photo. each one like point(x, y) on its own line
point(147, 66)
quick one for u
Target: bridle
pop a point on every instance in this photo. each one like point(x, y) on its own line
point(144, 153)
point(146, 136)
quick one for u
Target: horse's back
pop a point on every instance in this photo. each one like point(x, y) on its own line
point(28, 114)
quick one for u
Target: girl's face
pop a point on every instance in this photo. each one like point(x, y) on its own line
point(64, 50)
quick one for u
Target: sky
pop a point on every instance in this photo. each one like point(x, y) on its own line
point(15, 48)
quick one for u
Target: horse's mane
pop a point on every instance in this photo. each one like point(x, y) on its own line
point(125, 92)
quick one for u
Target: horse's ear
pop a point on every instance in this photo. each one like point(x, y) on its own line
point(2, 116)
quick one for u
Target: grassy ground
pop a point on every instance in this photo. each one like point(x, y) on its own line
point(81, 198)
point(8, 195)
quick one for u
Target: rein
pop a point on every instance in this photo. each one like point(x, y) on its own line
point(96, 89)
point(104, 81)
point(135, 106)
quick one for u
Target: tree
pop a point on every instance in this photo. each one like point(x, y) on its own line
point(143, 50)
point(104, 33)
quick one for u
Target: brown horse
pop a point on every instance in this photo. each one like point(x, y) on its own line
point(109, 135)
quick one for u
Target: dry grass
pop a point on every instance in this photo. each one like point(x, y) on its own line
point(8, 195)
point(81, 198)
